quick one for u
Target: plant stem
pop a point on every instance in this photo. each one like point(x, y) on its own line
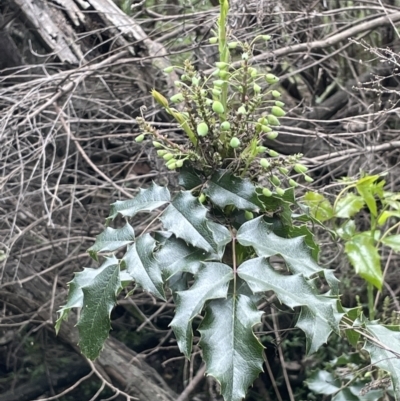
point(370, 290)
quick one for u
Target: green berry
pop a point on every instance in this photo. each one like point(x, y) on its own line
point(169, 69)
point(195, 81)
point(242, 110)
point(300, 168)
point(170, 161)
point(283, 170)
point(225, 125)
point(168, 156)
point(292, 183)
point(213, 41)
point(253, 73)
point(223, 74)
point(202, 129)
point(271, 78)
point(245, 56)
point(248, 215)
point(217, 107)
point(157, 144)
point(218, 82)
point(272, 153)
point(272, 120)
point(162, 152)
point(234, 143)
point(202, 198)
point(139, 138)
point(221, 65)
point(256, 88)
point(308, 178)
point(265, 163)
point(280, 191)
point(233, 45)
point(275, 180)
point(277, 111)
point(276, 94)
point(261, 149)
point(171, 166)
point(279, 103)
point(209, 102)
point(265, 128)
point(179, 163)
point(216, 91)
point(272, 135)
point(266, 192)
point(266, 37)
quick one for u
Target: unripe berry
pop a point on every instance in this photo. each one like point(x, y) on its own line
point(217, 107)
point(271, 78)
point(225, 125)
point(169, 69)
point(218, 82)
point(277, 111)
point(308, 178)
point(162, 152)
point(233, 45)
point(221, 65)
point(213, 41)
point(266, 37)
point(242, 110)
point(256, 88)
point(275, 180)
point(139, 138)
point(234, 143)
point(177, 98)
point(157, 144)
point(248, 215)
point(179, 163)
point(292, 183)
point(266, 192)
point(272, 153)
point(202, 198)
point(280, 191)
point(279, 103)
point(272, 135)
point(283, 170)
point(265, 128)
point(168, 156)
point(300, 168)
point(202, 129)
point(265, 163)
point(272, 120)
point(276, 94)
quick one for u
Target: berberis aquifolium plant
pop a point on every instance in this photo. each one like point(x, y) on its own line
point(233, 214)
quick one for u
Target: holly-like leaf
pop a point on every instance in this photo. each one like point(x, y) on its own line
point(210, 283)
point(95, 290)
point(232, 353)
point(368, 188)
point(225, 189)
point(189, 178)
point(176, 256)
point(320, 208)
point(392, 241)
point(258, 234)
point(349, 205)
point(145, 201)
point(385, 352)
point(111, 239)
point(75, 293)
point(143, 267)
point(317, 318)
point(365, 259)
point(186, 218)
point(387, 214)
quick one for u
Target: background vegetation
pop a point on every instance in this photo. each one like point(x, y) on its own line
point(74, 75)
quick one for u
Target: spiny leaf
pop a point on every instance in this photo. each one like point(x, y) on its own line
point(189, 178)
point(385, 352)
point(225, 189)
point(365, 259)
point(75, 293)
point(317, 318)
point(111, 239)
point(146, 200)
point(210, 283)
point(186, 218)
point(143, 267)
point(99, 297)
point(368, 188)
point(320, 207)
point(258, 234)
point(176, 256)
point(233, 355)
point(349, 205)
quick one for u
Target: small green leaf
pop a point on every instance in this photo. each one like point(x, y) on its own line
point(186, 218)
point(320, 207)
point(392, 241)
point(323, 382)
point(366, 188)
point(364, 257)
point(349, 205)
point(317, 318)
point(143, 267)
point(232, 353)
point(385, 352)
point(210, 283)
point(386, 214)
point(111, 239)
point(347, 230)
point(225, 189)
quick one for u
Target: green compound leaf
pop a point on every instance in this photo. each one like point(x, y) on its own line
point(210, 283)
point(225, 189)
point(392, 241)
point(320, 207)
point(365, 259)
point(111, 239)
point(258, 234)
point(385, 352)
point(186, 218)
point(75, 293)
point(146, 200)
point(317, 318)
point(95, 290)
point(349, 205)
point(143, 267)
point(233, 355)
